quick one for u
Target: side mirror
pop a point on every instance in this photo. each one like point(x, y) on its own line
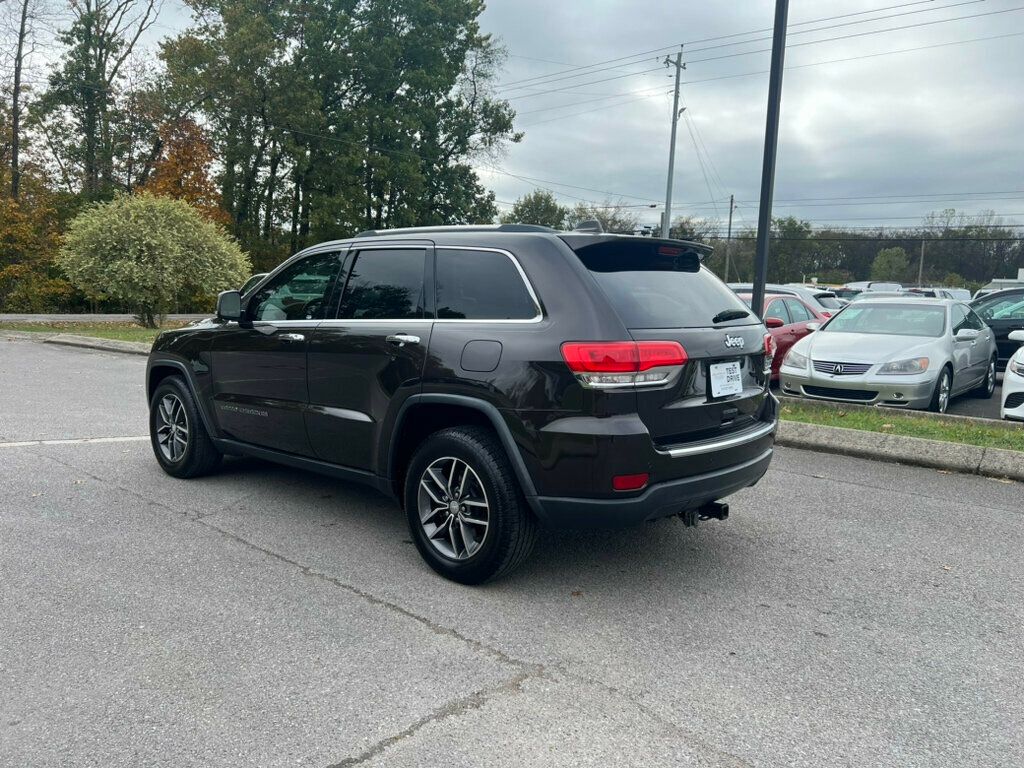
point(773, 322)
point(1016, 336)
point(966, 334)
point(229, 305)
point(813, 326)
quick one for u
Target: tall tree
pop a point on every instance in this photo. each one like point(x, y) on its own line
point(78, 112)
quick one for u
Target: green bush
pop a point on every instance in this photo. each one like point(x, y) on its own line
point(150, 252)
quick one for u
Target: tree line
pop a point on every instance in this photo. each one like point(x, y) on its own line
point(958, 250)
point(289, 122)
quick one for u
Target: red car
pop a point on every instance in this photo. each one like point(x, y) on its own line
point(786, 318)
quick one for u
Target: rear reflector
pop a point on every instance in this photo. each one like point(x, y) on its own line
point(630, 482)
point(608, 364)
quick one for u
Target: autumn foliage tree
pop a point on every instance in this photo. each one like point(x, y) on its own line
point(182, 171)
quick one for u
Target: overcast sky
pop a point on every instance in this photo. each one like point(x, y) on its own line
point(940, 122)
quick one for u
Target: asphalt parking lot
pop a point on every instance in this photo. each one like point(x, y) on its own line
point(849, 613)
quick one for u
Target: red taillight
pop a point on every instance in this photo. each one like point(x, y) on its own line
point(607, 364)
point(770, 348)
point(630, 482)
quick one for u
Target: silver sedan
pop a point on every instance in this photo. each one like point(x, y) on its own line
point(906, 353)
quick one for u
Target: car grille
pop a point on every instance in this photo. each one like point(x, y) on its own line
point(840, 394)
point(848, 369)
point(1015, 400)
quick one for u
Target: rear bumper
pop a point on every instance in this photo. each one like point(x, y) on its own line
point(661, 500)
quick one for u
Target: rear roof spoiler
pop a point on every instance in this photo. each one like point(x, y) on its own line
point(580, 240)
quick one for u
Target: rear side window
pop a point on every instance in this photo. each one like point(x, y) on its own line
point(777, 309)
point(655, 286)
point(385, 284)
point(481, 285)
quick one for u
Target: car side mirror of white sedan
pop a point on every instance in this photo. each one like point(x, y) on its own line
point(1016, 336)
point(813, 326)
point(967, 334)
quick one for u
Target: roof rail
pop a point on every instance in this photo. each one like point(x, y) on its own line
point(456, 228)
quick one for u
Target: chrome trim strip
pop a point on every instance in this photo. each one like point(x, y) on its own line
point(341, 413)
point(723, 444)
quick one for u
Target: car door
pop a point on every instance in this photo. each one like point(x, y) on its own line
point(980, 354)
point(369, 357)
point(800, 316)
point(784, 337)
point(1003, 314)
point(258, 365)
point(964, 350)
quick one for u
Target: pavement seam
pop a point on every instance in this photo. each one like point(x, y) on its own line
point(689, 736)
point(455, 708)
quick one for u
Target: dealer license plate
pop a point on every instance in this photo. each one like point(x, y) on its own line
point(726, 379)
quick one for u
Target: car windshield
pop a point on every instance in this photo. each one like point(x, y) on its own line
point(889, 320)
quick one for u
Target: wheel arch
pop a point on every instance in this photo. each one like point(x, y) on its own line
point(422, 415)
point(158, 370)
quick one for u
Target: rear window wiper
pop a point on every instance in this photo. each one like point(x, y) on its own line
point(729, 314)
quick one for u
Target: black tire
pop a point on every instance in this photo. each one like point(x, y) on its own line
point(198, 456)
point(511, 529)
point(936, 406)
point(987, 388)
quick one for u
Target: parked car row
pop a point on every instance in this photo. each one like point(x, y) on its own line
point(907, 349)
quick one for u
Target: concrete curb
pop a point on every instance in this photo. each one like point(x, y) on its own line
point(914, 451)
point(898, 413)
point(87, 342)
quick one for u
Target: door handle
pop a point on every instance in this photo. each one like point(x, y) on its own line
point(401, 339)
point(291, 337)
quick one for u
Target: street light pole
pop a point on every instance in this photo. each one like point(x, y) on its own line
point(771, 142)
point(728, 236)
point(666, 222)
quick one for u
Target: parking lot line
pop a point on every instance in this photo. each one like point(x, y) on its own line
point(76, 441)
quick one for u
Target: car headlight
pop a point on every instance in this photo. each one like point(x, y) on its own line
point(794, 359)
point(905, 367)
point(1017, 367)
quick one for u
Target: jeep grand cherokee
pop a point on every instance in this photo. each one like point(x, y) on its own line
point(491, 379)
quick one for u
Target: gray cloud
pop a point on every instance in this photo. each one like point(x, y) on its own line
point(943, 120)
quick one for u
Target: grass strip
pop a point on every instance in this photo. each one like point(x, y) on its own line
point(118, 331)
point(909, 424)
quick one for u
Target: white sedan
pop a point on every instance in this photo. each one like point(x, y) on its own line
point(1013, 383)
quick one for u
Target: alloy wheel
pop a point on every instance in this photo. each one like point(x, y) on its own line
point(453, 508)
point(990, 384)
point(172, 427)
point(944, 387)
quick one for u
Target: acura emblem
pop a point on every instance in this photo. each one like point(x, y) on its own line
point(838, 369)
point(733, 341)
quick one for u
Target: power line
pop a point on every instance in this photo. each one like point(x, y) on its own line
point(595, 109)
point(861, 34)
point(673, 46)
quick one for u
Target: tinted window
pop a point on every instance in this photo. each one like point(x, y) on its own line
point(973, 321)
point(889, 319)
point(798, 311)
point(384, 285)
point(298, 292)
point(481, 285)
point(651, 286)
point(996, 307)
point(777, 309)
point(828, 301)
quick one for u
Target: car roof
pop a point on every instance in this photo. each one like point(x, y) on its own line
point(484, 235)
point(915, 300)
point(1003, 292)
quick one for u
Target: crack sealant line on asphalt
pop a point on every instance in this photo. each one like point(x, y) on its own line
point(74, 441)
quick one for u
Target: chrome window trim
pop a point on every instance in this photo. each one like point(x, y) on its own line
point(539, 317)
point(723, 444)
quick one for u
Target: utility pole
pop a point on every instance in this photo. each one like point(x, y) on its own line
point(771, 142)
point(920, 265)
point(666, 222)
point(728, 236)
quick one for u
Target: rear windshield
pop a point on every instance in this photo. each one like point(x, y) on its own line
point(828, 301)
point(653, 286)
point(889, 320)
